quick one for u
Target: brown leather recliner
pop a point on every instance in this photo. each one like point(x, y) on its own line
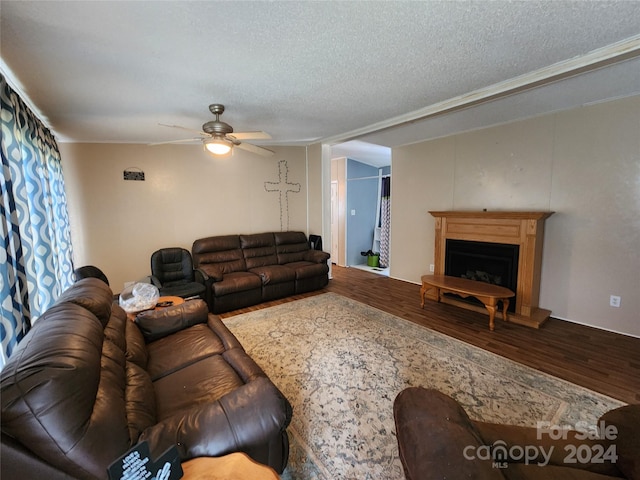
point(243, 270)
point(86, 384)
point(437, 440)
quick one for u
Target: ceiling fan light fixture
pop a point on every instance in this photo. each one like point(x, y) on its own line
point(217, 146)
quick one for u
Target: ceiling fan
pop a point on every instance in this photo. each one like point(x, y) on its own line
point(219, 138)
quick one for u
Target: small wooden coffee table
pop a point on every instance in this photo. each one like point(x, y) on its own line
point(162, 302)
point(487, 293)
point(168, 301)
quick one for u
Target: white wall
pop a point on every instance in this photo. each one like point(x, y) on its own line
point(584, 164)
point(187, 194)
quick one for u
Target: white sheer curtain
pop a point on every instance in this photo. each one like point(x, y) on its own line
point(385, 220)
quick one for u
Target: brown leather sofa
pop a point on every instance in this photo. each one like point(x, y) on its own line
point(244, 270)
point(436, 440)
point(87, 383)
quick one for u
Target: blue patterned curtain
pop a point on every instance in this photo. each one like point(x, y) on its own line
point(36, 264)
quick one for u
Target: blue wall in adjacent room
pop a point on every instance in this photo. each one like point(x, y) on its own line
point(362, 196)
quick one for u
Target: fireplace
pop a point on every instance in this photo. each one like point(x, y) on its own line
point(520, 232)
point(495, 263)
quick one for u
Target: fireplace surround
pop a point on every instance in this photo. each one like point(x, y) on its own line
point(521, 231)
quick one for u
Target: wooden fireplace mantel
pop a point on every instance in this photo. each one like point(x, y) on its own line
point(525, 229)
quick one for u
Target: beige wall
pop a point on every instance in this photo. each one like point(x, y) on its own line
point(583, 164)
point(315, 189)
point(187, 194)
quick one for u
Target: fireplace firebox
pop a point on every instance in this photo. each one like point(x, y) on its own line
point(494, 263)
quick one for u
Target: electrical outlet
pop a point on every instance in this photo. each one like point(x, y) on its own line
point(614, 301)
point(432, 268)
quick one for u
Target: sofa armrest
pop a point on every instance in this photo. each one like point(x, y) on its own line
point(156, 324)
point(626, 421)
point(544, 447)
point(251, 415)
point(200, 276)
point(213, 274)
point(227, 338)
point(436, 438)
point(316, 256)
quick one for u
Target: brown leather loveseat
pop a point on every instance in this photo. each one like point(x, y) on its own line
point(86, 384)
point(437, 440)
point(244, 270)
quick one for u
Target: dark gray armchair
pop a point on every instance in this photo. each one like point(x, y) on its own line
point(173, 273)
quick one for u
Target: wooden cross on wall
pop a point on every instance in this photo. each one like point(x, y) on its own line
point(283, 187)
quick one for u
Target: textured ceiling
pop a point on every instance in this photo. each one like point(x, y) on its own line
point(302, 71)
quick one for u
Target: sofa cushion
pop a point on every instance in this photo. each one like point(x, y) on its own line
point(291, 246)
point(199, 383)
point(307, 269)
point(236, 282)
point(271, 274)
point(217, 256)
point(181, 349)
point(259, 250)
point(251, 415)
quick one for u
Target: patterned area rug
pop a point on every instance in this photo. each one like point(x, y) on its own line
point(341, 364)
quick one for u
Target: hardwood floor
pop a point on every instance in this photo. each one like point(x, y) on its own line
point(606, 362)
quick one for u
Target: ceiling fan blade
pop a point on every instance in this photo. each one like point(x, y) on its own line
point(199, 132)
point(255, 149)
point(186, 140)
point(250, 135)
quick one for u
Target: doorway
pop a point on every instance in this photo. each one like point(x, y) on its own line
point(359, 174)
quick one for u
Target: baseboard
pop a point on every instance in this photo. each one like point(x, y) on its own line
point(597, 327)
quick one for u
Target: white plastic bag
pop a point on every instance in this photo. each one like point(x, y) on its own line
point(138, 297)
